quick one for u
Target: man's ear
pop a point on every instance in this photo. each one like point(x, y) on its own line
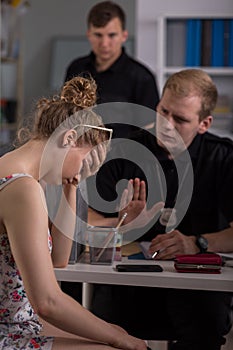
point(205, 124)
point(125, 36)
point(70, 138)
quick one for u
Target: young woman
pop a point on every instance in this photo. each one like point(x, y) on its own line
point(67, 143)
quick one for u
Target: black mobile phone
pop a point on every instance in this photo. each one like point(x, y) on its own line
point(139, 268)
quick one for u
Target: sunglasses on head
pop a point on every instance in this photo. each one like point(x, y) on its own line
point(97, 128)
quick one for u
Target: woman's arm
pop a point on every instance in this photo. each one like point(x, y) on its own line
point(63, 226)
point(97, 219)
point(27, 227)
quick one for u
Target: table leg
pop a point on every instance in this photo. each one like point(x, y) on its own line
point(87, 291)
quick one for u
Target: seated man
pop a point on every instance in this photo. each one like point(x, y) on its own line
point(191, 170)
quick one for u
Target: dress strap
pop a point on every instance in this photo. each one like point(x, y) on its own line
point(8, 179)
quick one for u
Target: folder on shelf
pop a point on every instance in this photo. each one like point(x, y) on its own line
point(230, 54)
point(217, 53)
point(193, 42)
point(189, 43)
point(176, 42)
point(197, 42)
point(226, 42)
point(206, 38)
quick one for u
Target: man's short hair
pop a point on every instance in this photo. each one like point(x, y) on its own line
point(102, 13)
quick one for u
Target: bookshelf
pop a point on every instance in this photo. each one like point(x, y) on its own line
point(173, 42)
point(11, 98)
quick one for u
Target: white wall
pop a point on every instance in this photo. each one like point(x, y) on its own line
point(48, 19)
point(148, 10)
point(45, 20)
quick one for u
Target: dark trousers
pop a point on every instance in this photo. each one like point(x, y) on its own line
point(196, 320)
point(73, 289)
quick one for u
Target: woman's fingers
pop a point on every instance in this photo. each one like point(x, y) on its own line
point(98, 157)
point(93, 161)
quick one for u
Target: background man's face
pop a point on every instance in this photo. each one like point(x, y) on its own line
point(106, 42)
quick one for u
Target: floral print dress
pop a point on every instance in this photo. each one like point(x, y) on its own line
point(19, 325)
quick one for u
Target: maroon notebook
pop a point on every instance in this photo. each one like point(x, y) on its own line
point(198, 263)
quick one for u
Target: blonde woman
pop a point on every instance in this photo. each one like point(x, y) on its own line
point(67, 143)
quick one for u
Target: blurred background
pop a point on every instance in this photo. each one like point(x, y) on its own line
point(39, 39)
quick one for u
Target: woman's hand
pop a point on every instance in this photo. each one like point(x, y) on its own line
point(93, 161)
point(129, 342)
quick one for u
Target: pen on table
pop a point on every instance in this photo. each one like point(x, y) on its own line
point(108, 240)
point(154, 254)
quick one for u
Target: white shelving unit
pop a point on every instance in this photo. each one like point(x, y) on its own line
point(171, 55)
point(11, 75)
point(12, 98)
point(171, 50)
point(11, 82)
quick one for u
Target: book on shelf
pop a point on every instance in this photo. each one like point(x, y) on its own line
point(217, 47)
point(189, 43)
point(230, 54)
point(226, 42)
point(209, 42)
point(176, 32)
point(197, 42)
point(193, 42)
point(206, 38)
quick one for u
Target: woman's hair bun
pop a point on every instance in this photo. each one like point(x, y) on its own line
point(80, 91)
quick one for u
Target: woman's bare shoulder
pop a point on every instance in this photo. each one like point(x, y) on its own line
point(22, 192)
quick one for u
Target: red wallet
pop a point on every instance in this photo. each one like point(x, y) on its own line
point(199, 263)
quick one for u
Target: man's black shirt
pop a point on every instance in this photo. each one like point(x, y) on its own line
point(210, 206)
point(127, 80)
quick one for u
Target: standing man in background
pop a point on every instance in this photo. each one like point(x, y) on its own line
point(119, 77)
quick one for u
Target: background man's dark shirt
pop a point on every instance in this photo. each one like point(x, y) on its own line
point(127, 80)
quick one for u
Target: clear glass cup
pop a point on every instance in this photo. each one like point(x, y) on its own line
point(102, 244)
